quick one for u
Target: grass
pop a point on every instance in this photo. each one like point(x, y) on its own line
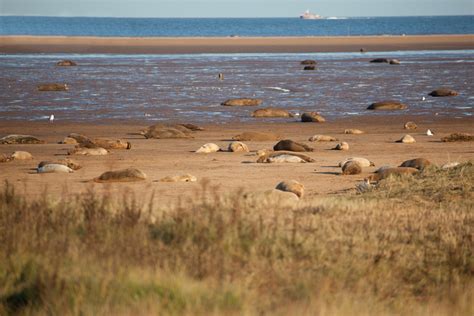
point(404, 248)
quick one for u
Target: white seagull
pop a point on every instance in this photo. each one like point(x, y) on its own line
point(51, 118)
point(429, 133)
point(423, 99)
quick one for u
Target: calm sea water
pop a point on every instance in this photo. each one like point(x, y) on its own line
point(11, 25)
point(186, 88)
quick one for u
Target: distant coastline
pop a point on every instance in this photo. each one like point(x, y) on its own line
point(199, 45)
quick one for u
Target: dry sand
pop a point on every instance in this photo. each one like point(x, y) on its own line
point(126, 45)
point(228, 171)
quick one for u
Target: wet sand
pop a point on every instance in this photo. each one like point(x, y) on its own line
point(228, 171)
point(125, 45)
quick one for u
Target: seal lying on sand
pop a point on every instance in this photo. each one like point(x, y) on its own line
point(242, 102)
point(124, 175)
point(53, 87)
point(69, 141)
point(179, 178)
point(54, 168)
point(291, 186)
point(112, 143)
point(385, 173)
point(98, 151)
point(351, 167)
point(208, 148)
point(256, 136)
point(271, 112)
point(342, 146)
point(166, 133)
point(20, 139)
point(238, 147)
point(21, 155)
point(407, 139)
point(5, 158)
point(443, 92)
point(79, 138)
point(279, 157)
point(387, 105)
point(418, 163)
point(458, 137)
point(312, 117)
point(74, 165)
point(288, 144)
point(186, 128)
point(363, 162)
point(353, 131)
point(410, 125)
point(322, 138)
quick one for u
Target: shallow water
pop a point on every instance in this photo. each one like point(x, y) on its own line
point(185, 87)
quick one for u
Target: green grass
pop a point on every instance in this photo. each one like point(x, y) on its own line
point(404, 248)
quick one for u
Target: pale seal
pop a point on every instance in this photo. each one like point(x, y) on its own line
point(208, 148)
point(21, 155)
point(342, 146)
point(407, 139)
point(54, 168)
point(238, 147)
point(322, 138)
point(88, 151)
point(291, 186)
point(363, 162)
point(410, 125)
point(353, 131)
point(179, 178)
point(124, 175)
point(280, 156)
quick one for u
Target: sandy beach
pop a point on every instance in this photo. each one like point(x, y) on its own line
point(228, 171)
point(127, 45)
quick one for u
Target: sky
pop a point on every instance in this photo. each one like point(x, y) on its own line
point(234, 8)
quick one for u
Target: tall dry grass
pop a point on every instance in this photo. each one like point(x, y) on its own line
point(404, 248)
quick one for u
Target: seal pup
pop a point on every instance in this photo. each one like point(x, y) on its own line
point(388, 172)
point(123, 175)
point(291, 186)
point(237, 147)
point(74, 165)
point(179, 178)
point(54, 168)
point(98, 151)
point(69, 141)
point(407, 139)
point(208, 148)
point(242, 102)
point(322, 138)
point(353, 131)
point(450, 165)
point(288, 144)
point(256, 136)
point(21, 155)
point(410, 125)
point(278, 157)
point(351, 167)
point(363, 162)
point(20, 139)
point(342, 146)
point(312, 117)
point(418, 163)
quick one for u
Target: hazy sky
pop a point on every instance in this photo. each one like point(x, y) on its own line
point(234, 8)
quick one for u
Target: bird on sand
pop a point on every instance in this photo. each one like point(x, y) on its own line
point(429, 133)
point(51, 118)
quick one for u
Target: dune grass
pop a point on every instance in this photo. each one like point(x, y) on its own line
point(404, 248)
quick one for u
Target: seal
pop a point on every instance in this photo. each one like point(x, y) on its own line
point(242, 102)
point(179, 178)
point(79, 138)
point(256, 136)
point(66, 63)
point(458, 137)
point(418, 163)
point(314, 117)
point(389, 172)
point(291, 186)
point(237, 147)
point(410, 125)
point(5, 158)
point(53, 87)
point(322, 138)
point(342, 146)
point(269, 157)
point(21, 155)
point(20, 139)
point(88, 151)
point(288, 144)
point(69, 141)
point(271, 112)
point(108, 143)
point(310, 67)
point(123, 175)
point(308, 62)
point(387, 105)
point(208, 148)
point(450, 165)
point(363, 162)
point(74, 165)
point(407, 139)
point(353, 131)
point(54, 168)
point(443, 92)
point(351, 167)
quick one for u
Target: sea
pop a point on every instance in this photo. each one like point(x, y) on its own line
point(205, 27)
point(185, 87)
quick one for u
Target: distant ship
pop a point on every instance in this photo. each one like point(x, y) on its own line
point(310, 16)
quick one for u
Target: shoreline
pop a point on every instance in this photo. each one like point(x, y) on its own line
point(199, 45)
